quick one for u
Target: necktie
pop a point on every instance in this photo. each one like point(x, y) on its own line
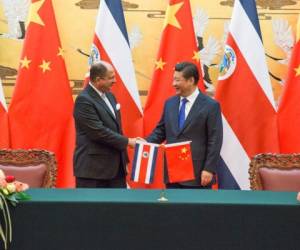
point(181, 117)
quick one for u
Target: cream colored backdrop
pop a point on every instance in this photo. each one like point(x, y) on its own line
point(144, 18)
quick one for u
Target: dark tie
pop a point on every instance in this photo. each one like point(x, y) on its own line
point(181, 117)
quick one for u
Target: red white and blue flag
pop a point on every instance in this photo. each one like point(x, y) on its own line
point(111, 44)
point(143, 166)
point(4, 130)
point(245, 94)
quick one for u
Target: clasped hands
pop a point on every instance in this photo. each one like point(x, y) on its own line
point(132, 141)
point(206, 176)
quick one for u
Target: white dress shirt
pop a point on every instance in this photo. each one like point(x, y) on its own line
point(191, 99)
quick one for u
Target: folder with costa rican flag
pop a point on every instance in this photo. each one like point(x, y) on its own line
point(144, 162)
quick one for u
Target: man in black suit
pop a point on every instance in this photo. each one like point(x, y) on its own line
point(100, 156)
point(191, 115)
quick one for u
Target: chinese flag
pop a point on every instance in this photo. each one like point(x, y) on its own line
point(4, 130)
point(178, 43)
point(289, 107)
point(179, 162)
point(40, 114)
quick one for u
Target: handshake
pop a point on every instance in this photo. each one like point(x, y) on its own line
point(132, 141)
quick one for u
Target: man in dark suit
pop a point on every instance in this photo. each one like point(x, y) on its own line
point(100, 156)
point(191, 115)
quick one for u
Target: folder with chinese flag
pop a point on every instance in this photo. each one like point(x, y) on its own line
point(179, 162)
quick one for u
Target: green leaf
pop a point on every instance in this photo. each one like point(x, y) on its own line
point(22, 196)
point(12, 199)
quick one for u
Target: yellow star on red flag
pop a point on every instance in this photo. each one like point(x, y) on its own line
point(25, 62)
point(34, 16)
point(45, 66)
point(297, 70)
point(184, 150)
point(196, 56)
point(160, 64)
point(171, 15)
point(184, 154)
point(60, 52)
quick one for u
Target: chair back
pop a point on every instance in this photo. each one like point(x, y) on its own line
point(275, 172)
point(35, 167)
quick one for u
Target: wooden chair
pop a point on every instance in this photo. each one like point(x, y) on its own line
point(276, 172)
point(35, 167)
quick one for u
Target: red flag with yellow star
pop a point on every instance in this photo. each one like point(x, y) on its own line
point(178, 43)
point(289, 107)
point(179, 162)
point(40, 113)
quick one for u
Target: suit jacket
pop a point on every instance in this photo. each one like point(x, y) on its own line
point(100, 146)
point(203, 126)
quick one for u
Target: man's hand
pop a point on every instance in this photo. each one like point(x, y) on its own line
point(131, 142)
point(141, 139)
point(206, 178)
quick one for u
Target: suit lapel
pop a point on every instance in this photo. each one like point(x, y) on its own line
point(174, 112)
point(113, 104)
point(99, 100)
point(194, 110)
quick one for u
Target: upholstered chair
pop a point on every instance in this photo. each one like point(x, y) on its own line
point(276, 172)
point(35, 167)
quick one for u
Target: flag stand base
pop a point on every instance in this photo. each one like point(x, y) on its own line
point(162, 197)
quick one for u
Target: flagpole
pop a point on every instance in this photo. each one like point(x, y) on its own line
point(162, 197)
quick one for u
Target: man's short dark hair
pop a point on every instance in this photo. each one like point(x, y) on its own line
point(97, 70)
point(188, 70)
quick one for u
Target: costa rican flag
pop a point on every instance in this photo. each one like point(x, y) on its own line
point(4, 129)
point(111, 44)
point(245, 93)
point(143, 166)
